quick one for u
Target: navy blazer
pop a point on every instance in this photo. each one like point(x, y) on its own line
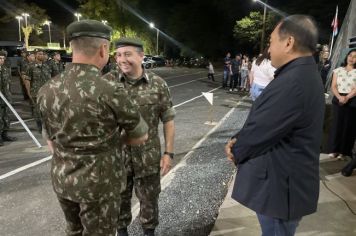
point(278, 148)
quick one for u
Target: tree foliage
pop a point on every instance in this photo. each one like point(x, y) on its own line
point(248, 30)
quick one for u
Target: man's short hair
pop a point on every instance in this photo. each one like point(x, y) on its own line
point(303, 29)
point(87, 45)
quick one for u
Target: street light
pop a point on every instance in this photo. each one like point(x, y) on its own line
point(105, 22)
point(263, 24)
point(25, 15)
point(19, 18)
point(78, 15)
point(47, 22)
point(152, 25)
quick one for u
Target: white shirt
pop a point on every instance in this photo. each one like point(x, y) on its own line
point(264, 73)
point(211, 69)
point(346, 80)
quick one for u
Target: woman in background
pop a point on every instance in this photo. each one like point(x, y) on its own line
point(343, 130)
point(261, 75)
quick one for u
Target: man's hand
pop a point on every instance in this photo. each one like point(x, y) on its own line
point(166, 164)
point(228, 148)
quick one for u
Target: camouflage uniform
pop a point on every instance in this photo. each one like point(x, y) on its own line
point(83, 115)
point(55, 67)
point(152, 95)
point(38, 74)
point(5, 80)
point(21, 66)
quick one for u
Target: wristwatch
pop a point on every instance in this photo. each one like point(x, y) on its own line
point(170, 154)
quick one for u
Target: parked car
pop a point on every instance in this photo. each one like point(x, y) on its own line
point(159, 61)
point(148, 63)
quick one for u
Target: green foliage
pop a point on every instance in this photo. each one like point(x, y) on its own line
point(248, 30)
point(123, 22)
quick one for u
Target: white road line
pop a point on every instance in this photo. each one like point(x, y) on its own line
point(24, 167)
point(18, 122)
point(191, 81)
point(167, 179)
point(180, 104)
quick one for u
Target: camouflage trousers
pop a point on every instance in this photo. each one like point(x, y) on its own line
point(90, 219)
point(147, 190)
point(4, 118)
point(35, 109)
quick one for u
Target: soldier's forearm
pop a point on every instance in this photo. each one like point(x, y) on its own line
point(169, 131)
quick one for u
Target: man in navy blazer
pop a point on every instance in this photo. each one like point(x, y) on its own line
point(277, 150)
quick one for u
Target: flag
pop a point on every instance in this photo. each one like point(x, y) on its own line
point(335, 23)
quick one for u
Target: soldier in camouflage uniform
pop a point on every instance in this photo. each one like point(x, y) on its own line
point(143, 162)
point(21, 64)
point(5, 80)
point(83, 115)
point(36, 75)
point(56, 59)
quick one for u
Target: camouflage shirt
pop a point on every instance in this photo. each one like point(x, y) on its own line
point(152, 95)
point(56, 67)
point(21, 64)
point(5, 80)
point(83, 114)
point(38, 74)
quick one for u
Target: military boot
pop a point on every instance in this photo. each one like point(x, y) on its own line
point(6, 138)
point(149, 232)
point(122, 232)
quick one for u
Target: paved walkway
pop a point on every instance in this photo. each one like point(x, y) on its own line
point(336, 215)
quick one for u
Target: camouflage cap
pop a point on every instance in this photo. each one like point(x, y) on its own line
point(122, 42)
point(3, 53)
point(88, 28)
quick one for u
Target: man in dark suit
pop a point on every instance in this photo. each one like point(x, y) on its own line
point(277, 150)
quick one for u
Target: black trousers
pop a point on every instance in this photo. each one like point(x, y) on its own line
point(343, 130)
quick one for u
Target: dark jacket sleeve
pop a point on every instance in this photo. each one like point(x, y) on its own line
point(272, 117)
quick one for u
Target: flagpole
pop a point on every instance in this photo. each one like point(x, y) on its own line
point(334, 24)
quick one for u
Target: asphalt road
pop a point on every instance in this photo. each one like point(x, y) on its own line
point(28, 205)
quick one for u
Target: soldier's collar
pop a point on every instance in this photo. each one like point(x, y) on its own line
point(80, 66)
point(144, 77)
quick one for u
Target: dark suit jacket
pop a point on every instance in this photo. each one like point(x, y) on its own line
point(278, 148)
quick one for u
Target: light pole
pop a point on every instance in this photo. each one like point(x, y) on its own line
point(263, 24)
point(19, 18)
point(153, 26)
point(47, 22)
point(25, 15)
point(105, 22)
point(78, 15)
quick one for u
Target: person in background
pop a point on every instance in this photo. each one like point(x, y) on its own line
point(227, 70)
point(244, 73)
point(211, 71)
point(262, 73)
point(343, 129)
point(235, 69)
point(324, 66)
point(21, 64)
point(5, 80)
